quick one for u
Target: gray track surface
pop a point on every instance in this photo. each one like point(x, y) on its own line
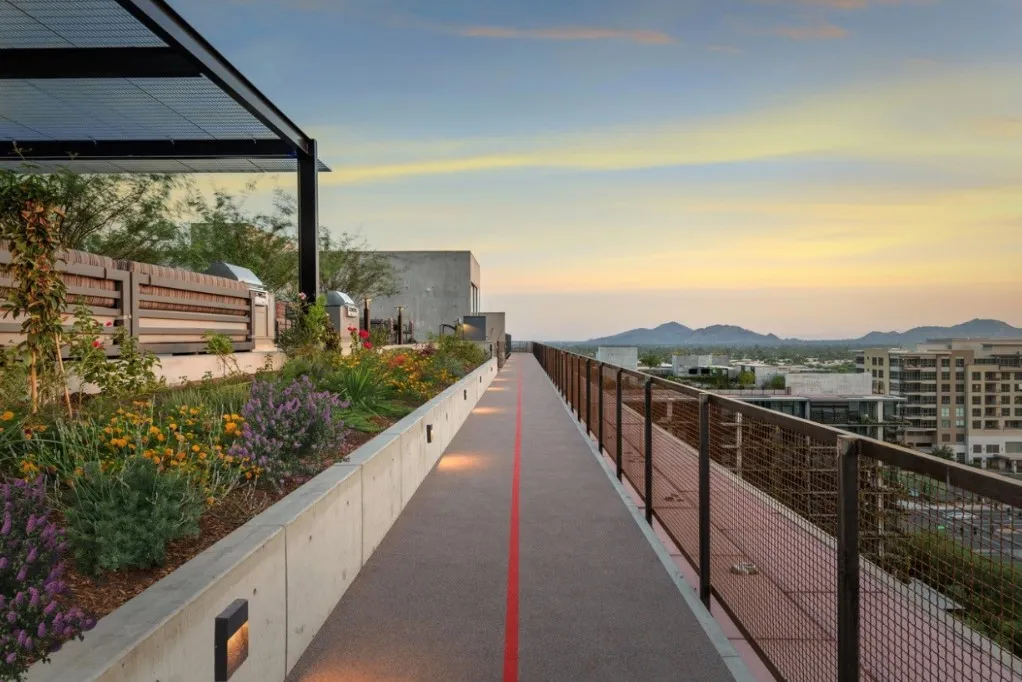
point(595, 601)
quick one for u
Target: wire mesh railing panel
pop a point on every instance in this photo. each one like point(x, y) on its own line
point(633, 430)
point(941, 580)
point(594, 398)
point(609, 415)
point(675, 498)
point(773, 559)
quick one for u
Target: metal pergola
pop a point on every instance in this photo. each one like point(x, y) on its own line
point(128, 86)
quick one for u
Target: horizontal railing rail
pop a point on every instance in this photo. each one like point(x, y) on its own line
point(839, 557)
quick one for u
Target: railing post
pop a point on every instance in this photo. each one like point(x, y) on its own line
point(577, 390)
point(617, 433)
point(599, 407)
point(847, 559)
point(589, 394)
point(649, 451)
point(704, 499)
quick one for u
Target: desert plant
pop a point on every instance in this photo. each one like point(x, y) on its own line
point(289, 427)
point(134, 371)
point(362, 386)
point(310, 330)
point(35, 618)
point(222, 347)
point(125, 519)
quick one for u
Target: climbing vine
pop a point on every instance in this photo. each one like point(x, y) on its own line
point(37, 292)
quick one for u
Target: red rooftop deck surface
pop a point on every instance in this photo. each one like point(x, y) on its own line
point(595, 601)
point(789, 609)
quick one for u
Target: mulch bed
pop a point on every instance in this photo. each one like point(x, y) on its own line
point(103, 594)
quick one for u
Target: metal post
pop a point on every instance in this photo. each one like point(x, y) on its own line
point(599, 406)
point(589, 394)
point(848, 560)
point(576, 389)
point(617, 435)
point(308, 224)
point(704, 499)
point(400, 324)
point(649, 451)
point(365, 316)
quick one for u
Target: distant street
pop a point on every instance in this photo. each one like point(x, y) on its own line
point(986, 531)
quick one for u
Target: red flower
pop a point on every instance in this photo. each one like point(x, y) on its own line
point(363, 334)
point(108, 324)
point(367, 345)
point(352, 329)
point(97, 343)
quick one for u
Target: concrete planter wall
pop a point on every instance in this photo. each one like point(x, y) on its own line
point(293, 563)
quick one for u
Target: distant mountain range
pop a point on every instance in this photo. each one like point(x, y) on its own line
point(677, 334)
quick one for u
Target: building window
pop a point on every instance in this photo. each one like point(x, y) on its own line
point(1018, 376)
point(959, 411)
point(993, 449)
point(874, 363)
point(977, 376)
point(1013, 447)
point(1018, 411)
point(945, 437)
point(945, 362)
point(945, 388)
point(1005, 399)
point(959, 437)
point(881, 374)
point(959, 362)
point(1005, 411)
point(959, 400)
point(945, 376)
point(945, 412)
point(977, 412)
point(959, 423)
point(945, 423)
point(977, 425)
point(977, 448)
point(977, 388)
point(959, 388)
point(977, 400)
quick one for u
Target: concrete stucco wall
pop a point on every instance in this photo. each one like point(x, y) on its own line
point(436, 288)
point(620, 356)
point(829, 384)
point(293, 563)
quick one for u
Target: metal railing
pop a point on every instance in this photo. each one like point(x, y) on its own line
point(838, 557)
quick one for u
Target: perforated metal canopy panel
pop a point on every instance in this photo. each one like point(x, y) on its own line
point(129, 86)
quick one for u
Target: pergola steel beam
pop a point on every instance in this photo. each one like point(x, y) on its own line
point(146, 149)
point(308, 224)
point(93, 62)
point(172, 29)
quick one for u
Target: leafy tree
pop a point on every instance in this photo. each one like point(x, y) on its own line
point(944, 452)
point(775, 382)
point(650, 358)
point(121, 216)
point(746, 378)
point(347, 264)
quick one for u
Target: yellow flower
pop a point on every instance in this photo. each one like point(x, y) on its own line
point(161, 438)
point(154, 429)
point(156, 460)
point(209, 501)
point(230, 426)
point(7, 416)
point(193, 411)
point(248, 474)
point(195, 448)
point(202, 455)
point(172, 426)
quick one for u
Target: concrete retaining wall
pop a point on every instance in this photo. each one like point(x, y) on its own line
point(293, 563)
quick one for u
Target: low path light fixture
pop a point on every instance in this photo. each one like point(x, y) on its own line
point(230, 640)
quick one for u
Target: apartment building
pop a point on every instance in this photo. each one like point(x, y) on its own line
point(965, 394)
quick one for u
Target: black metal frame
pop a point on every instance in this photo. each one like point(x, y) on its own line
point(187, 55)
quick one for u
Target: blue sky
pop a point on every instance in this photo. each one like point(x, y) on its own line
point(805, 167)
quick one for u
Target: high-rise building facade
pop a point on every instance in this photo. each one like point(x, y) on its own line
point(965, 394)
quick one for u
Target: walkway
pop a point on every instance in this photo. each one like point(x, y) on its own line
point(594, 601)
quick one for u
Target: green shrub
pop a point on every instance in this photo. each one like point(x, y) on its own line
point(470, 354)
point(363, 386)
point(309, 332)
point(125, 520)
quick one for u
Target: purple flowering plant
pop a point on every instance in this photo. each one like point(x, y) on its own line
point(34, 618)
point(289, 427)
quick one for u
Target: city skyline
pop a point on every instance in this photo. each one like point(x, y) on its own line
point(818, 168)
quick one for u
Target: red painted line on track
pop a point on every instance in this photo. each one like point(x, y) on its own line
point(511, 619)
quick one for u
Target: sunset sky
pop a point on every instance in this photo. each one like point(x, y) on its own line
point(816, 168)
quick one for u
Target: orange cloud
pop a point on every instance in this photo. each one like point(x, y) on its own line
point(646, 37)
point(821, 31)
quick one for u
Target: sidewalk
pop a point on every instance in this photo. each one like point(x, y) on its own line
point(594, 601)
